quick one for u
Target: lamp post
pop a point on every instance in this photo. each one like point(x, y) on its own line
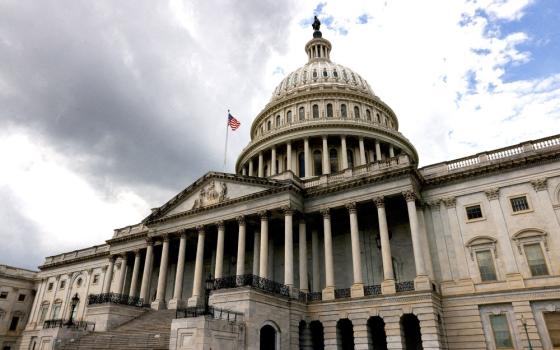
point(208, 287)
point(73, 303)
point(524, 323)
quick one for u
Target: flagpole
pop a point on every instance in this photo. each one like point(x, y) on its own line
point(227, 133)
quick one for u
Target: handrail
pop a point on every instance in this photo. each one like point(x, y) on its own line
point(215, 313)
point(115, 298)
point(61, 323)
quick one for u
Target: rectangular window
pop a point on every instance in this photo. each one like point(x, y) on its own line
point(43, 313)
point(56, 311)
point(519, 203)
point(62, 284)
point(486, 265)
point(3, 295)
point(500, 329)
point(552, 320)
point(21, 297)
point(14, 323)
point(95, 279)
point(50, 287)
point(474, 212)
point(535, 259)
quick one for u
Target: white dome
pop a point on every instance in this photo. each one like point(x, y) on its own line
point(321, 72)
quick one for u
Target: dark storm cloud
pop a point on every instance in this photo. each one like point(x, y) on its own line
point(124, 88)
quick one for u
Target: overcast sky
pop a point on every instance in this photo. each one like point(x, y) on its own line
point(109, 108)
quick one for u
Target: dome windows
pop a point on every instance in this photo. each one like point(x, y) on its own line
point(278, 119)
point(333, 159)
point(315, 111)
point(269, 125)
point(329, 110)
point(301, 164)
point(301, 113)
point(317, 163)
point(335, 73)
point(314, 74)
point(350, 156)
point(289, 117)
point(368, 115)
point(325, 72)
point(356, 112)
point(343, 112)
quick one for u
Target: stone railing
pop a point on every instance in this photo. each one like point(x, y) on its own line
point(77, 325)
point(114, 298)
point(373, 168)
point(77, 254)
point(372, 290)
point(485, 158)
point(405, 286)
point(129, 230)
point(215, 313)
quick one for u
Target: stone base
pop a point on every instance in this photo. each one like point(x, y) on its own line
point(174, 304)
point(422, 283)
point(109, 316)
point(515, 281)
point(158, 305)
point(195, 300)
point(328, 293)
point(462, 286)
point(357, 290)
point(388, 287)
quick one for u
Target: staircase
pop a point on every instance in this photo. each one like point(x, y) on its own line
point(149, 331)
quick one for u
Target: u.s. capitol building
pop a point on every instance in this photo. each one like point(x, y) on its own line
point(328, 236)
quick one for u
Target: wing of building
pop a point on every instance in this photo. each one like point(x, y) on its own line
point(328, 236)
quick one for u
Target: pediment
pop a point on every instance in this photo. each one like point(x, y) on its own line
point(211, 190)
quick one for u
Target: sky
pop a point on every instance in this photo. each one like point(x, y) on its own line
point(109, 108)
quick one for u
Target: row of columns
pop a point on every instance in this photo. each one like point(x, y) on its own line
point(261, 250)
point(307, 156)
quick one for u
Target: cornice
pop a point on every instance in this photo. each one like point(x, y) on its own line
point(74, 260)
point(126, 238)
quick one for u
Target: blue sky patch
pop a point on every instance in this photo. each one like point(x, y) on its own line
point(363, 19)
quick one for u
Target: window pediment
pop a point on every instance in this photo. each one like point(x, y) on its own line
point(532, 235)
point(481, 243)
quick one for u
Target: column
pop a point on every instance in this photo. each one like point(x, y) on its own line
point(326, 163)
point(344, 152)
point(421, 282)
point(391, 151)
point(159, 303)
point(357, 289)
point(261, 165)
point(240, 268)
point(289, 156)
point(552, 225)
point(120, 282)
point(251, 167)
point(302, 235)
point(36, 304)
point(220, 250)
point(108, 275)
point(458, 243)
point(243, 171)
point(362, 151)
point(273, 161)
point(388, 284)
point(196, 298)
point(377, 150)
point(288, 247)
point(146, 274)
point(135, 273)
point(177, 300)
point(307, 156)
point(263, 269)
point(443, 257)
point(316, 267)
point(328, 292)
point(513, 277)
point(256, 253)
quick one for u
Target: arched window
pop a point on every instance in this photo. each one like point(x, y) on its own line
point(314, 74)
point(376, 333)
point(335, 73)
point(317, 163)
point(368, 115)
point(343, 112)
point(289, 116)
point(325, 72)
point(333, 159)
point(410, 329)
point(278, 121)
point(55, 314)
point(268, 338)
point(301, 164)
point(356, 112)
point(350, 156)
point(317, 335)
point(377, 117)
point(345, 334)
point(43, 311)
point(329, 110)
point(315, 111)
point(301, 113)
point(269, 125)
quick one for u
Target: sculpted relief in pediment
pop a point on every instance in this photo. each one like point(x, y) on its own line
point(211, 194)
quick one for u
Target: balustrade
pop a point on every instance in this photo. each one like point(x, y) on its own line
point(115, 298)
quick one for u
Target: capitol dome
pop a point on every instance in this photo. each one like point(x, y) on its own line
point(323, 118)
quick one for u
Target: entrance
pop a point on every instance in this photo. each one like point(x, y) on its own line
point(410, 328)
point(377, 336)
point(345, 334)
point(268, 338)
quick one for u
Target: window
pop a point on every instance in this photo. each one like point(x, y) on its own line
point(335, 73)
point(43, 311)
point(315, 111)
point(333, 159)
point(277, 121)
point(51, 285)
point(62, 284)
point(317, 163)
point(519, 204)
point(486, 265)
point(343, 112)
point(314, 74)
point(356, 112)
point(325, 73)
point(500, 329)
point(95, 278)
point(535, 259)
point(301, 164)
point(329, 110)
point(350, 156)
point(56, 311)
point(301, 113)
point(269, 125)
point(552, 321)
point(377, 117)
point(3, 295)
point(368, 115)
point(473, 212)
point(21, 297)
point(79, 282)
point(289, 116)
point(74, 314)
point(14, 324)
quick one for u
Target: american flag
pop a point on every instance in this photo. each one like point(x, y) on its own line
point(232, 122)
